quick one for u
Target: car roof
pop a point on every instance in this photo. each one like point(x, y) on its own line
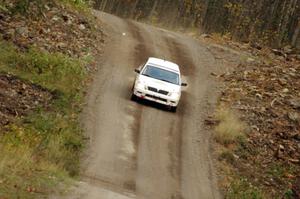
point(163, 64)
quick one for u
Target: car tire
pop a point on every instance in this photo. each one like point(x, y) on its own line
point(173, 109)
point(134, 97)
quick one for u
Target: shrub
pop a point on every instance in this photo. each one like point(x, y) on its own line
point(230, 128)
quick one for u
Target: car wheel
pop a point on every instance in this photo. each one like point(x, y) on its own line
point(134, 97)
point(173, 109)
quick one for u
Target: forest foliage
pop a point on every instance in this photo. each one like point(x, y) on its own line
point(275, 23)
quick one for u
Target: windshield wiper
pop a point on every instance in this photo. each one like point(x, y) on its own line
point(166, 81)
point(147, 75)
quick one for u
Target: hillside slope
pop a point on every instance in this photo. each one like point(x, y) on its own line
point(46, 56)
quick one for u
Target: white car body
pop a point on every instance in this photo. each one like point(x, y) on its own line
point(157, 90)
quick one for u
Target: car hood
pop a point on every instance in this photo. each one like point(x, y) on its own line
point(161, 85)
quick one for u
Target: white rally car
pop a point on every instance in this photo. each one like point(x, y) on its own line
point(159, 81)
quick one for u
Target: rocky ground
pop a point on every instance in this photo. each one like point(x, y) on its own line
point(264, 88)
point(52, 27)
point(18, 97)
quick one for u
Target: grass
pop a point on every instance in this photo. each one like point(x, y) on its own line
point(230, 129)
point(228, 156)
point(23, 174)
point(242, 189)
point(281, 171)
point(237, 187)
point(52, 71)
point(80, 5)
point(3, 7)
point(41, 151)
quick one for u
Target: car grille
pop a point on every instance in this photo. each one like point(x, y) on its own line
point(163, 92)
point(155, 97)
point(158, 91)
point(152, 89)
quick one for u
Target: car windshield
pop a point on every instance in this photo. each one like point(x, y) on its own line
point(161, 74)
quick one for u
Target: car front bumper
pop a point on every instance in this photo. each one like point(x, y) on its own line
point(156, 97)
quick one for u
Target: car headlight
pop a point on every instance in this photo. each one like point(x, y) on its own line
point(141, 84)
point(174, 94)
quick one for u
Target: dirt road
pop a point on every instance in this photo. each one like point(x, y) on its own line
point(140, 151)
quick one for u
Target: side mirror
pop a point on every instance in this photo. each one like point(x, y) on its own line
point(183, 84)
point(137, 70)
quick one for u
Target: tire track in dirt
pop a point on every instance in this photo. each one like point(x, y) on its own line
point(173, 121)
point(195, 64)
point(179, 55)
point(175, 150)
point(188, 68)
point(140, 54)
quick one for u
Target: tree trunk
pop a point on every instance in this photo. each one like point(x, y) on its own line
point(153, 9)
point(97, 4)
point(296, 34)
point(132, 11)
point(103, 4)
